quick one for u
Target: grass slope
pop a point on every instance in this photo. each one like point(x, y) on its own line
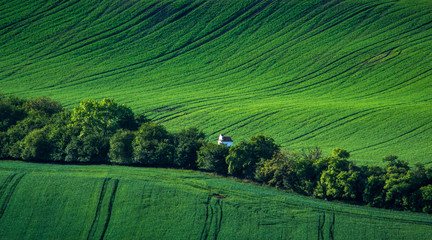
point(42, 201)
point(349, 74)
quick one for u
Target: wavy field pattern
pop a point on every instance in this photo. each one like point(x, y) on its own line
point(349, 74)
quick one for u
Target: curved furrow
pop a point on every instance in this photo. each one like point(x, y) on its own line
point(53, 41)
point(13, 182)
point(104, 34)
point(163, 57)
point(18, 9)
point(374, 44)
point(84, 21)
point(332, 125)
point(290, 43)
point(242, 123)
point(140, 17)
point(10, 14)
point(28, 22)
point(234, 123)
point(424, 75)
point(6, 183)
point(413, 132)
point(333, 67)
point(49, 54)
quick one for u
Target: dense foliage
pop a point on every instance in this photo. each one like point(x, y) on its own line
point(40, 129)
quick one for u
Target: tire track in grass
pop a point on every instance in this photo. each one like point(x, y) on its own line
point(331, 229)
point(273, 37)
point(6, 183)
point(219, 218)
point(16, 180)
point(41, 57)
point(43, 45)
point(353, 211)
point(104, 209)
point(141, 19)
point(205, 230)
point(366, 214)
point(258, 118)
point(35, 58)
point(321, 224)
point(214, 216)
point(185, 10)
point(63, 38)
point(93, 227)
point(110, 205)
point(186, 108)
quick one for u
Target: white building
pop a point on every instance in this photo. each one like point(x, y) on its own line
point(225, 140)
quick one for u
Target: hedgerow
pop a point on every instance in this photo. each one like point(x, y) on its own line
point(105, 132)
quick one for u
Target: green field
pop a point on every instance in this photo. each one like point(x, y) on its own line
point(349, 74)
point(43, 201)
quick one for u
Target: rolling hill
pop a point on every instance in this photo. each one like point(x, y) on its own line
point(349, 74)
point(44, 201)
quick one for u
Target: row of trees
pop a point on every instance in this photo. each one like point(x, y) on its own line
point(396, 186)
point(40, 129)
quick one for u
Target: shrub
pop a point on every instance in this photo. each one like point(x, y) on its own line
point(211, 157)
point(187, 143)
point(121, 151)
point(36, 146)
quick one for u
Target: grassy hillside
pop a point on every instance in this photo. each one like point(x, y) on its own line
point(349, 74)
point(42, 201)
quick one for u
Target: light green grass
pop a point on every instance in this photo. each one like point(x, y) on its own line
point(349, 74)
point(44, 201)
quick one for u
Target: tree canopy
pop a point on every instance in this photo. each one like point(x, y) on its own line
point(40, 129)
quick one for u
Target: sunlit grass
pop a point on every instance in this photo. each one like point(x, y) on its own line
point(44, 201)
point(350, 74)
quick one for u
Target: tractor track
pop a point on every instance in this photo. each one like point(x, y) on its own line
point(13, 180)
point(103, 209)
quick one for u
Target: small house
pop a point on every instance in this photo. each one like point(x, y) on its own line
point(225, 140)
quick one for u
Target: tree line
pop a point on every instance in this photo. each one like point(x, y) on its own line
point(105, 132)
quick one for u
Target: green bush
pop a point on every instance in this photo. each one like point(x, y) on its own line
point(153, 146)
point(211, 157)
point(187, 143)
point(36, 146)
point(244, 156)
point(121, 151)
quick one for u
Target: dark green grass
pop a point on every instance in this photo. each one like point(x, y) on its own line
point(44, 201)
point(350, 74)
